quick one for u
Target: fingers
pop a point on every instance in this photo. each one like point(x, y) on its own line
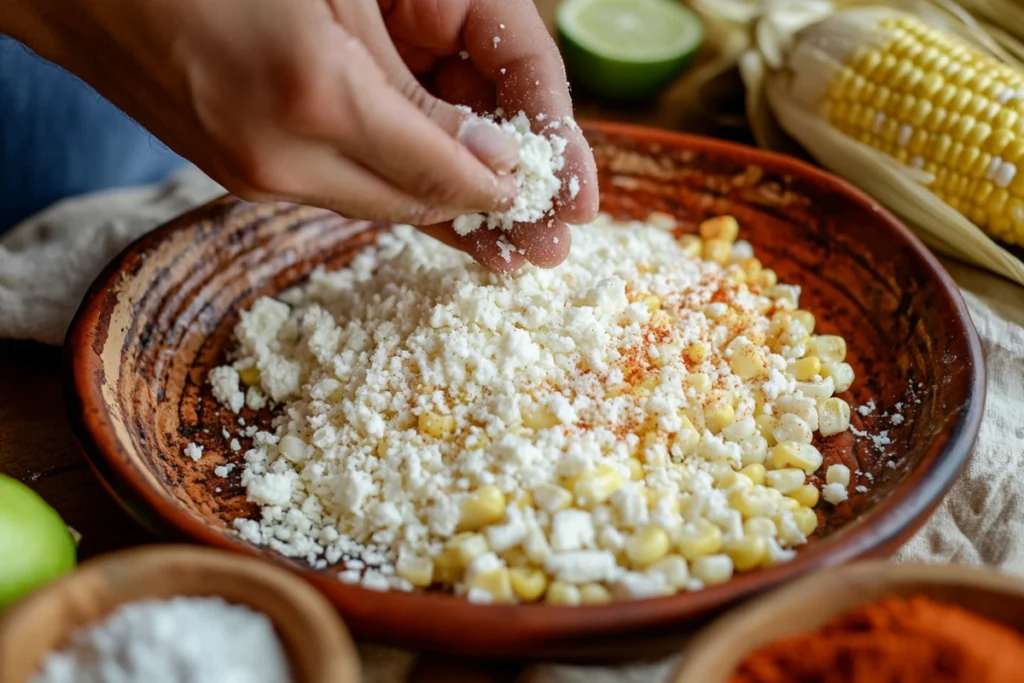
point(545, 243)
point(488, 247)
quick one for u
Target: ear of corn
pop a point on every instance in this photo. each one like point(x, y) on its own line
point(928, 123)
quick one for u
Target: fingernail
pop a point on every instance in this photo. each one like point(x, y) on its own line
point(490, 144)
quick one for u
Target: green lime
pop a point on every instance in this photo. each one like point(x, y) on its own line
point(35, 544)
point(627, 49)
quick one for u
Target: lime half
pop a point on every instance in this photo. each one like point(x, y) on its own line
point(627, 49)
point(35, 544)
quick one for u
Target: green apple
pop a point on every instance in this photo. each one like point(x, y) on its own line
point(35, 544)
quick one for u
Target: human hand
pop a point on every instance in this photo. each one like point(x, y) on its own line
point(312, 102)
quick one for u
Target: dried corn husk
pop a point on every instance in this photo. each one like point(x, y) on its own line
point(794, 50)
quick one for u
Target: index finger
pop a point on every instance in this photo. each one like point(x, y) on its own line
point(511, 46)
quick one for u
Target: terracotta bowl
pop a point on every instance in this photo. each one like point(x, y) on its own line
point(808, 604)
point(161, 315)
point(317, 643)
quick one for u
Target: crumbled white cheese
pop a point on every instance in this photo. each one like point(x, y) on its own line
point(180, 640)
point(224, 381)
point(834, 493)
point(541, 158)
point(194, 451)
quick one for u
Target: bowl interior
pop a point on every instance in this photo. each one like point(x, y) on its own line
point(809, 604)
point(162, 315)
point(316, 642)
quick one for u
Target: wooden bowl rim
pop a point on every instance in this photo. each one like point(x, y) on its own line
point(877, 533)
point(325, 630)
point(705, 652)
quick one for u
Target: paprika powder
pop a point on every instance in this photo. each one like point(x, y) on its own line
point(895, 640)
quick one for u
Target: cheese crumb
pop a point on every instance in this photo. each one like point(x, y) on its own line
point(194, 451)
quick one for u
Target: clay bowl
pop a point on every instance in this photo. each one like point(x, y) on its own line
point(808, 604)
point(161, 315)
point(317, 643)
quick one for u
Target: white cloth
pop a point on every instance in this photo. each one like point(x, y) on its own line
point(47, 263)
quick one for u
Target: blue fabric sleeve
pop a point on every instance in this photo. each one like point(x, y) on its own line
point(59, 138)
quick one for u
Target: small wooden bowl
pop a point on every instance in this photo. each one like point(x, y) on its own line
point(807, 605)
point(317, 643)
point(162, 314)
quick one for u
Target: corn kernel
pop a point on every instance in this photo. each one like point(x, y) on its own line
point(712, 569)
point(417, 570)
point(484, 506)
point(805, 368)
point(807, 495)
point(562, 593)
point(703, 539)
point(691, 245)
point(806, 520)
point(747, 552)
point(841, 374)
point(838, 474)
point(718, 251)
point(829, 348)
point(748, 362)
point(699, 382)
point(767, 278)
point(786, 480)
point(466, 547)
point(539, 417)
point(724, 228)
point(448, 566)
point(597, 486)
point(515, 557)
point(790, 427)
point(687, 438)
point(763, 526)
point(833, 416)
point(734, 480)
point(437, 426)
point(527, 583)
point(551, 498)
point(594, 594)
point(766, 426)
point(752, 502)
point(647, 547)
point(250, 376)
point(653, 303)
point(718, 416)
point(793, 454)
point(636, 470)
point(697, 352)
point(756, 473)
point(496, 582)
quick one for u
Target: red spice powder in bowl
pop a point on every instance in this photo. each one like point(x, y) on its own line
point(895, 640)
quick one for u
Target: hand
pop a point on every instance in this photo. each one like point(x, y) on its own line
point(311, 101)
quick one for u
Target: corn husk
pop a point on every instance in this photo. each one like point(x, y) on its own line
point(790, 51)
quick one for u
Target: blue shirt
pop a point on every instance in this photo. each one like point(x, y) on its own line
point(59, 137)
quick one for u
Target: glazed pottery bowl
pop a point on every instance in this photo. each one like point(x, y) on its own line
point(162, 314)
point(319, 648)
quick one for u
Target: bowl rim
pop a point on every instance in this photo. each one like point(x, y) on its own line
point(703, 654)
point(410, 618)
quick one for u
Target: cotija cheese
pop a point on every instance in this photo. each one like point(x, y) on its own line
point(636, 422)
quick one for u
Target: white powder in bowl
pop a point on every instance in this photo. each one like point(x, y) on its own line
point(181, 640)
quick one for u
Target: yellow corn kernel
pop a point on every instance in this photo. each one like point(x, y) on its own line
point(496, 582)
point(562, 593)
point(538, 418)
point(687, 438)
point(417, 570)
point(712, 569)
point(597, 486)
point(250, 376)
point(805, 368)
point(806, 520)
point(747, 552)
point(766, 426)
point(793, 454)
point(718, 251)
point(699, 382)
point(437, 426)
point(806, 319)
point(704, 539)
point(636, 470)
point(837, 474)
point(466, 547)
point(718, 416)
point(752, 502)
point(484, 506)
point(448, 566)
point(767, 278)
point(647, 547)
point(725, 228)
point(752, 267)
point(515, 557)
point(841, 374)
point(653, 303)
point(594, 594)
point(755, 472)
point(807, 495)
point(697, 352)
point(829, 348)
point(762, 526)
point(527, 583)
point(734, 480)
point(551, 498)
point(833, 416)
point(748, 362)
point(692, 245)
point(786, 480)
